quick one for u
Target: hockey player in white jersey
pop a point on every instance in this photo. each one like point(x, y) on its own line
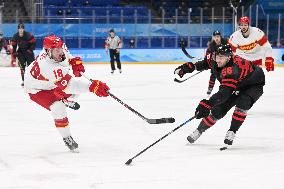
point(251, 44)
point(48, 83)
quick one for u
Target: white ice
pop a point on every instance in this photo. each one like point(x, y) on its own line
point(33, 155)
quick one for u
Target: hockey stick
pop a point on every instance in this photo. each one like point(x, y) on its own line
point(151, 121)
point(180, 81)
point(191, 57)
point(186, 53)
point(130, 160)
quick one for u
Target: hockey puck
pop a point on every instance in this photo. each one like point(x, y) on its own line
point(224, 148)
point(128, 162)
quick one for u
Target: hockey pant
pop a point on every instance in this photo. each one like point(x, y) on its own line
point(24, 60)
point(242, 101)
point(53, 103)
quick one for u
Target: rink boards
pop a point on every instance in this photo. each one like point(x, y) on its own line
point(152, 56)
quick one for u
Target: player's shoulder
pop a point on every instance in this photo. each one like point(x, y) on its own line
point(16, 35)
point(42, 55)
point(28, 34)
point(255, 29)
point(257, 32)
point(235, 36)
point(224, 41)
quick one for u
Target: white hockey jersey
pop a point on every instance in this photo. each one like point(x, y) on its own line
point(113, 43)
point(45, 74)
point(254, 47)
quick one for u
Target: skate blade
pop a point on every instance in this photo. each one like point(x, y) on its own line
point(75, 150)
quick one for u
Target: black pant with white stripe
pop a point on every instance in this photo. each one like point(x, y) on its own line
point(114, 55)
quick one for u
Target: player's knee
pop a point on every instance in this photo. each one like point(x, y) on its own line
point(58, 110)
point(244, 102)
point(243, 111)
point(218, 113)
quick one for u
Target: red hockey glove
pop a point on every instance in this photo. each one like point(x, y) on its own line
point(185, 68)
point(203, 109)
point(99, 88)
point(77, 66)
point(269, 64)
point(60, 94)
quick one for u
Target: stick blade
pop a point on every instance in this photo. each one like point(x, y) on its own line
point(179, 81)
point(128, 162)
point(161, 120)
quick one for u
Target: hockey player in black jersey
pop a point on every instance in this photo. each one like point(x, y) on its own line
point(241, 86)
point(217, 40)
point(23, 46)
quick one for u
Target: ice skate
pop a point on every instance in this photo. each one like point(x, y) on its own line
point(71, 144)
point(194, 136)
point(229, 137)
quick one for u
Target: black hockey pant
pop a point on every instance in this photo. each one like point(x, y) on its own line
point(114, 55)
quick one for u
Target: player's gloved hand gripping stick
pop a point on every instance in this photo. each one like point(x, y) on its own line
point(151, 121)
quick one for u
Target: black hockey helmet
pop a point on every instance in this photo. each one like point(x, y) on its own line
point(111, 31)
point(21, 26)
point(224, 49)
point(216, 33)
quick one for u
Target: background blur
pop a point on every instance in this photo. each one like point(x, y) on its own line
point(152, 24)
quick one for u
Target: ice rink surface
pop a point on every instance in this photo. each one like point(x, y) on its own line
point(33, 155)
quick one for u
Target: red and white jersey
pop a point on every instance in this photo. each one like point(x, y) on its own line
point(254, 47)
point(46, 74)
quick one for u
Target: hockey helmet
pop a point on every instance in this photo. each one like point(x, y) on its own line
point(244, 19)
point(216, 33)
point(224, 49)
point(111, 31)
point(21, 26)
point(52, 41)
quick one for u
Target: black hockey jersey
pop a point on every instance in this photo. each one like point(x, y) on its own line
point(237, 75)
point(24, 43)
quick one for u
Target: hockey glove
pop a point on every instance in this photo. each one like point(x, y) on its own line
point(99, 88)
point(269, 64)
point(77, 66)
point(185, 68)
point(203, 109)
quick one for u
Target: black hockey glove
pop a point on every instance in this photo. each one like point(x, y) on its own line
point(185, 68)
point(203, 109)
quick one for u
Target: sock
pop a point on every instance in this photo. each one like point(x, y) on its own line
point(63, 127)
point(238, 118)
point(206, 123)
